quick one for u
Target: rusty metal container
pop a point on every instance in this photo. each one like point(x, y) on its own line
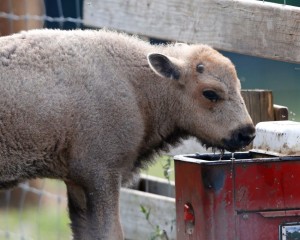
point(252, 195)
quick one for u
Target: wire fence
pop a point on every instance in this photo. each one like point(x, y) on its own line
point(37, 209)
point(16, 15)
point(26, 209)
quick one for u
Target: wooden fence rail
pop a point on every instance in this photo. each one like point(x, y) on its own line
point(245, 26)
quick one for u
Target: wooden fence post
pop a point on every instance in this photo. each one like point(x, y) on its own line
point(280, 112)
point(261, 108)
point(259, 104)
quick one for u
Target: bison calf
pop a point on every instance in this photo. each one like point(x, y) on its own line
point(91, 108)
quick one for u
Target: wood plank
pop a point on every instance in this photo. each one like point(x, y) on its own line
point(135, 225)
point(156, 185)
point(245, 26)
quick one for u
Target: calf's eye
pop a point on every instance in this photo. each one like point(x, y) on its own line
point(200, 68)
point(211, 95)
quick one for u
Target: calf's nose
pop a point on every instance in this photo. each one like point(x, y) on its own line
point(244, 136)
point(239, 138)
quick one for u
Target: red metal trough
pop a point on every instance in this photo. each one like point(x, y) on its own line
point(254, 197)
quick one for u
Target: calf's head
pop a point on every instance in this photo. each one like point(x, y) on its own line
point(208, 99)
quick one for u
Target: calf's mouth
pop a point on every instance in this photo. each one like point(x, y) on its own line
point(239, 138)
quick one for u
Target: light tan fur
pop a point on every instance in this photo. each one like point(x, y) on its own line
point(91, 108)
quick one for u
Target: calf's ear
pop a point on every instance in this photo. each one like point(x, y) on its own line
point(164, 66)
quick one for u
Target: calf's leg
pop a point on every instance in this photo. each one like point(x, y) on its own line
point(103, 208)
point(77, 210)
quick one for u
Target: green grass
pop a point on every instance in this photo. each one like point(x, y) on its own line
point(42, 217)
point(33, 224)
point(160, 166)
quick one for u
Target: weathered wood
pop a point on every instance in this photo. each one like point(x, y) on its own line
point(280, 112)
point(156, 185)
point(135, 225)
point(245, 26)
point(259, 104)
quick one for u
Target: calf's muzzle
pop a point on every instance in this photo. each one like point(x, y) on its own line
point(240, 138)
